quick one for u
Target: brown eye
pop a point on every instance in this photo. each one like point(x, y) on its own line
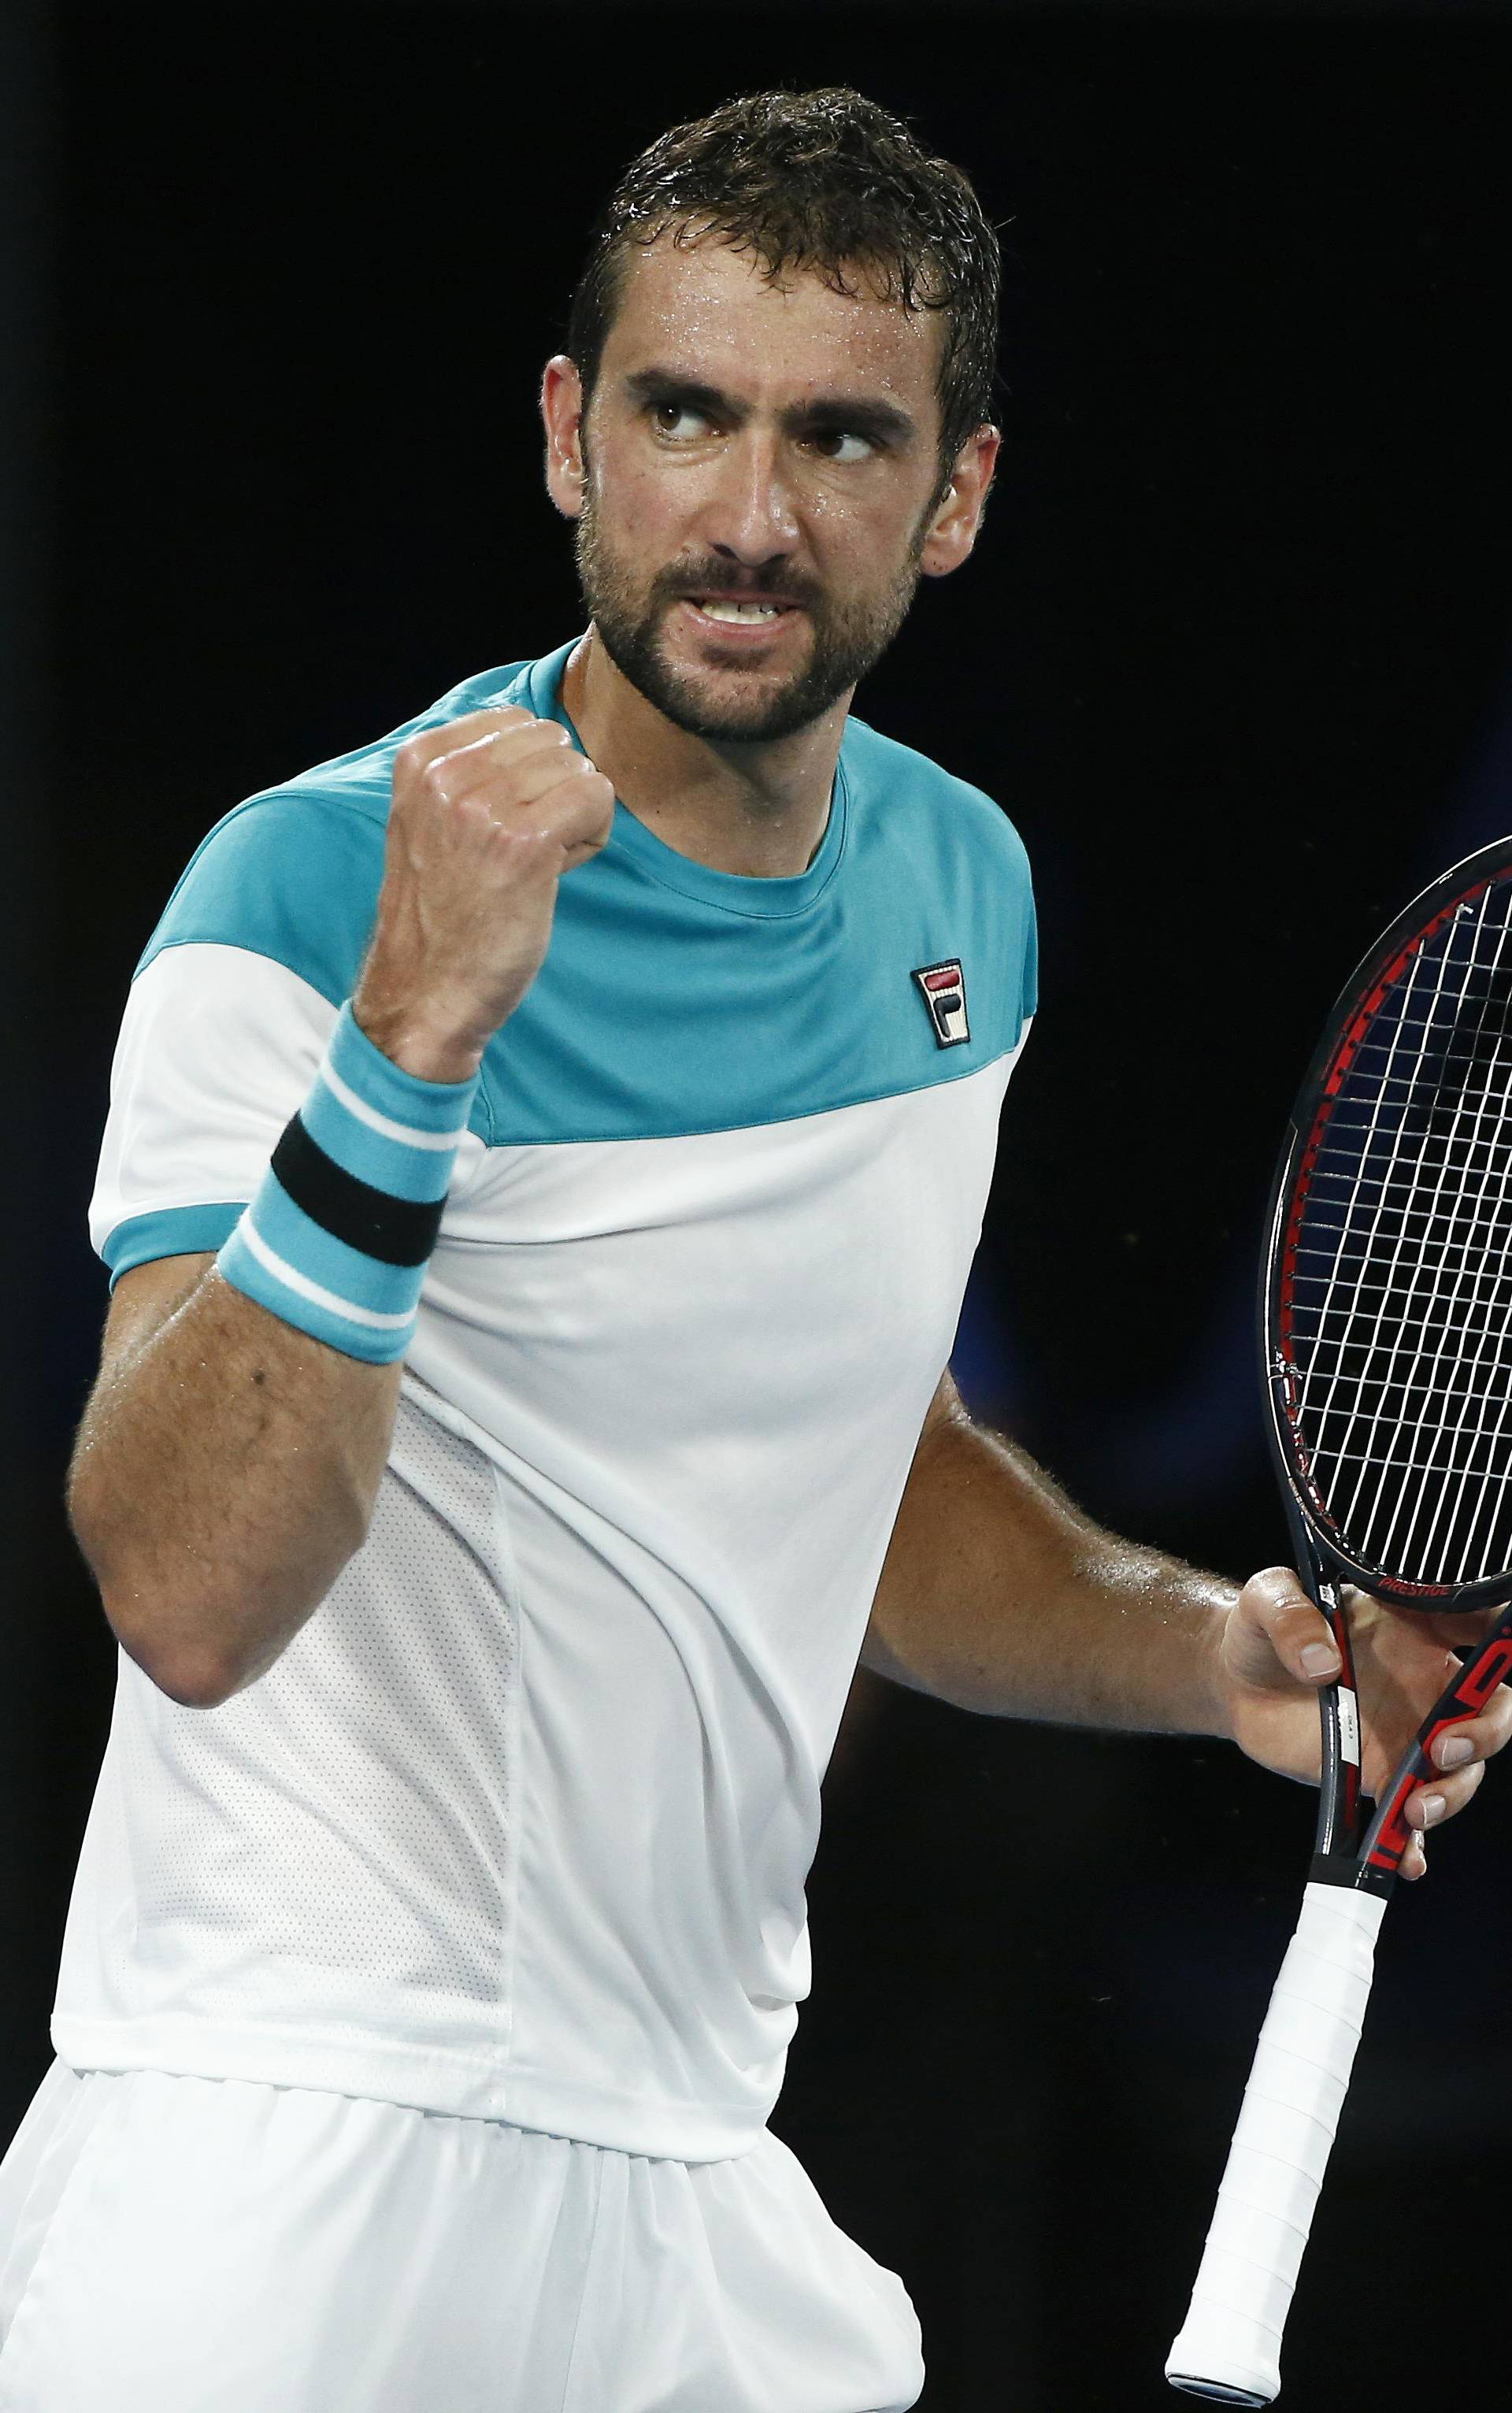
point(829, 441)
point(668, 415)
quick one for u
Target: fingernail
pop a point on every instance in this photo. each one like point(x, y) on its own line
point(1454, 1751)
point(1320, 1658)
point(1433, 1808)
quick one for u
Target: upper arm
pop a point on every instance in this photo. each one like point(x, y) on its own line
point(946, 1409)
point(144, 1300)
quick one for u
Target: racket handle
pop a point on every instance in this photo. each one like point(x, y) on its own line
point(1229, 2346)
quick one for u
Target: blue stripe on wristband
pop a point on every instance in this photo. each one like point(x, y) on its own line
point(386, 1131)
point(385, 1126)
point(259, 1273)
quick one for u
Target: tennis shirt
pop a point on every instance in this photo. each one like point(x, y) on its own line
point(518, 1825)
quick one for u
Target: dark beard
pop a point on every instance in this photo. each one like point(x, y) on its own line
point(847, 643)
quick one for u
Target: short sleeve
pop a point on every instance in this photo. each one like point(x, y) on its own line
point(227, 1018)
point(218, 1047)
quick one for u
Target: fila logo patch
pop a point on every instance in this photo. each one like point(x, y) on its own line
point(943, 991)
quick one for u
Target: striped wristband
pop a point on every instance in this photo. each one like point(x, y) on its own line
point(337, 1239)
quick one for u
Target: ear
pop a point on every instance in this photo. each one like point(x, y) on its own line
point(957, 517)
point(561, 411)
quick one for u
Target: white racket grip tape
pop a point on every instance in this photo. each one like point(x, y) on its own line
point(1228, 2349)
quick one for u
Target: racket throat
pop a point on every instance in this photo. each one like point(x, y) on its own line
point(1339, 1787)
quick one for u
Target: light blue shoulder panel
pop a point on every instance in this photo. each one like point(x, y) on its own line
point(294, 872)
point(673, 998)
point(676, 998)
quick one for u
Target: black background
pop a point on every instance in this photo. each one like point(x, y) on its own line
point(1233, 653)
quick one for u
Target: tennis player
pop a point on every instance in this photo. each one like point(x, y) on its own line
point(546, 1152)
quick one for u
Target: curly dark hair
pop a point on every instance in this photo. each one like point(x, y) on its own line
point(824, 181)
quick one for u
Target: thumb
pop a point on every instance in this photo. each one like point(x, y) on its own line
point(1275, 1609)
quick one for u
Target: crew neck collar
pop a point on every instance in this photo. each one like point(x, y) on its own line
point(735, 891)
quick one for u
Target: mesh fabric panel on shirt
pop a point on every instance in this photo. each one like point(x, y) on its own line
point(337, 1838)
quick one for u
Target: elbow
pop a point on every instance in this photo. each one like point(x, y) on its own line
point(174, 1642)
point(188, 1674)
point(190, 1696)
point(202, 1622)
point(190, 1687)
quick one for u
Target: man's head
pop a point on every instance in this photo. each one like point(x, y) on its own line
point(777, 393)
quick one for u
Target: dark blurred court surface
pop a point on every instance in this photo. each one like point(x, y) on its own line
point(1232, 654)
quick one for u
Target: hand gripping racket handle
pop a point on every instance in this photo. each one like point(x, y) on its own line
point(1229, 2344)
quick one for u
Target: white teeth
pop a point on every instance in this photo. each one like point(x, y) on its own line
point(740, 611)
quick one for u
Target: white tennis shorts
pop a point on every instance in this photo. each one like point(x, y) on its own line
point(209, 2245)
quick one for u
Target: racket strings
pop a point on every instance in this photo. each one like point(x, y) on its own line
point(1467, 1149)
point(1456, 1294)
point(1397, 1318)
point(1382, 1297)
point(1367, 1248)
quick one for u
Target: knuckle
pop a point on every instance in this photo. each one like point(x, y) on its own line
point(527, 846)
point(1277, 1592)
point(1459, 1788)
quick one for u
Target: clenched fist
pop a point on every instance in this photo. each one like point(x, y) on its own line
point(488, 813)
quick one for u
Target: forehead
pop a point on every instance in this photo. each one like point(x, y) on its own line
point(711, 312)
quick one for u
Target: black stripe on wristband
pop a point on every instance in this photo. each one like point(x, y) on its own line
point(396, 1231)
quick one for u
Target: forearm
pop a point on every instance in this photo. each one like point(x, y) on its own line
point(1000, 1595)
point(225, 1473)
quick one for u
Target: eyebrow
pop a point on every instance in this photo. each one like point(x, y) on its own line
point(858, 414)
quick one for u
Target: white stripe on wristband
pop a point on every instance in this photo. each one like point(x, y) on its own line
point(337, 1239)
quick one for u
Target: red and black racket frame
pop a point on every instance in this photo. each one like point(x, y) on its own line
point(1348, 1851)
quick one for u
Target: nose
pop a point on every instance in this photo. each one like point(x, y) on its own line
point(750, 517)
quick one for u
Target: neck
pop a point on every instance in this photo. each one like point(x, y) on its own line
point(759, 809)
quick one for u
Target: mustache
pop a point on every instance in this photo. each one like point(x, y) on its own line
point(719, 578)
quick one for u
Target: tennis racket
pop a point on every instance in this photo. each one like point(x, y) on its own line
point(1386, 1340)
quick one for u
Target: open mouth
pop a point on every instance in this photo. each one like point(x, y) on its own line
point(716, 607)
point(753, 615)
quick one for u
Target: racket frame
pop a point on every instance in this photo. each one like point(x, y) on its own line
point(1344, 1855)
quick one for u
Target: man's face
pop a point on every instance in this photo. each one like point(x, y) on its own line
point(761, 463)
